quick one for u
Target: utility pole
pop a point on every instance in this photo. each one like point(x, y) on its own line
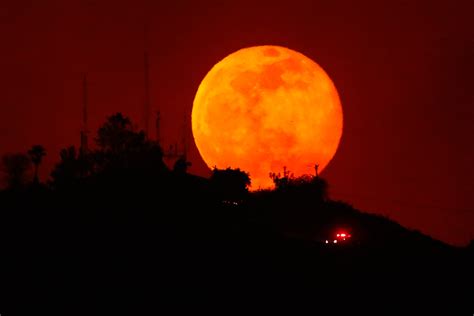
point(147, 101)
point(84, 129)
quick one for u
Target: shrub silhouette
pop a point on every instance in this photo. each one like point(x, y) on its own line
point(314, 187)
point(70, 168)
point(230, 184)
point(181, 165)
point(16, 168)
point(121, 147)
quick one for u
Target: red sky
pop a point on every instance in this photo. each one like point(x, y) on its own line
point(403, 71)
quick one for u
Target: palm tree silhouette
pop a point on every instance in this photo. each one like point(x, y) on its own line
point(36, 153)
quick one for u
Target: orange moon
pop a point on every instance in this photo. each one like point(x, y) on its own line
point(264, 108)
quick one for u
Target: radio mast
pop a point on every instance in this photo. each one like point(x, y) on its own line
point(84, 128)
point(147, 101)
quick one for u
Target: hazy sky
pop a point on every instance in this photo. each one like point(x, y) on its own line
point(403, 70)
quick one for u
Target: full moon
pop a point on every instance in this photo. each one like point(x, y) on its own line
point(264, 108)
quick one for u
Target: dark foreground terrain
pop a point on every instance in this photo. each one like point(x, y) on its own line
point(180, 245)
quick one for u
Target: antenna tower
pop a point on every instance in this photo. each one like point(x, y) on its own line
point(147, 103)
point(84, 129)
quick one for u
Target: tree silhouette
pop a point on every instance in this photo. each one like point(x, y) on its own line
point(16, 167)
point(230, 184)
point(70, 168)
point(121, 147)
point(122, 153)
point(36, 153)
point(181, 165)
point(115, 134)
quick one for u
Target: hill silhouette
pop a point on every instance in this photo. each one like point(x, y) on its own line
point(116, 230)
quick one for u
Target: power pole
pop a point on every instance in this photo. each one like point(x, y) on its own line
point(84, 129)
point(147, 101)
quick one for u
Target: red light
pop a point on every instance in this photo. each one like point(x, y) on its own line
point(343, 236)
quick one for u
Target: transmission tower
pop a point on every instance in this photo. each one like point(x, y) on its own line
point(84, 128)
